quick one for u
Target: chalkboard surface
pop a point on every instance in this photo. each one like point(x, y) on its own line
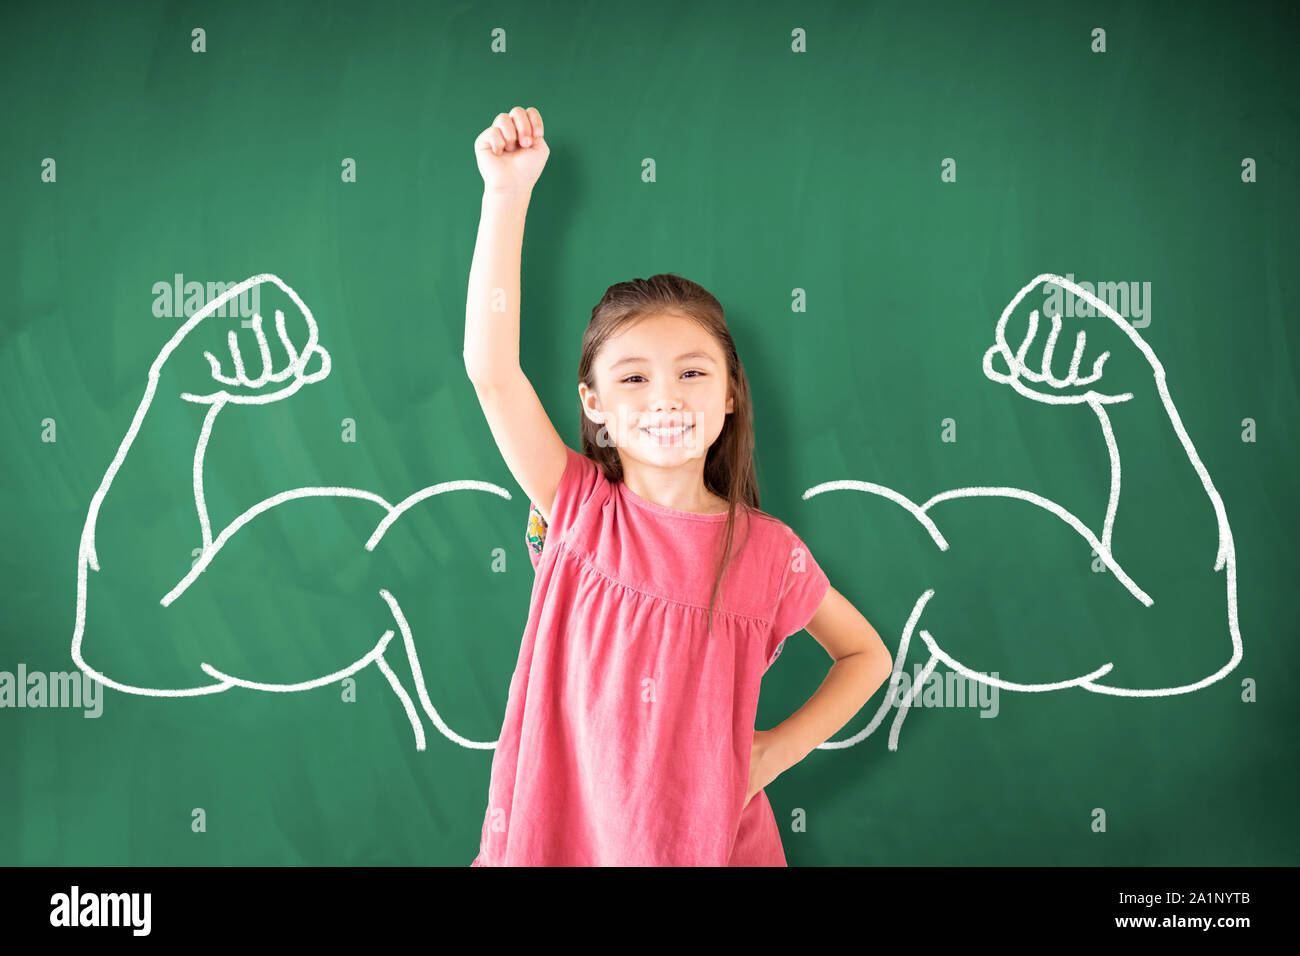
point(305, 601)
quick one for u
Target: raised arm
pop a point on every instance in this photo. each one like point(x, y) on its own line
point(510, 153)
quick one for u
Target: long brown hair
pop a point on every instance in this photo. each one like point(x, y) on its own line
point(729, 462)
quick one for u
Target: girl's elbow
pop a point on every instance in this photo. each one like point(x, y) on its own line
point(884, 662)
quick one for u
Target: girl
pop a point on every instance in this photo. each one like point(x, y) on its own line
point(661, 592)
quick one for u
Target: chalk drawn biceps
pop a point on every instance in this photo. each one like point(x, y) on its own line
point(283, 363)
point(1134, 358)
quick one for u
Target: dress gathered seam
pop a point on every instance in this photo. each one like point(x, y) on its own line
point(582, 559)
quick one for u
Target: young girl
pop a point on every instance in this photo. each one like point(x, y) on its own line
point(661, 592)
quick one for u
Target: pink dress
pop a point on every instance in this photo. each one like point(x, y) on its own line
point(627, 732)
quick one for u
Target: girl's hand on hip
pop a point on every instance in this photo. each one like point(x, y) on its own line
point(764, 764)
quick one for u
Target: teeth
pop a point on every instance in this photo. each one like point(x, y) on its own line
point(658, 432)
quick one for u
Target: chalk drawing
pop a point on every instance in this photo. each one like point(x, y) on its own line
point(295, 373)
point(1017, 374)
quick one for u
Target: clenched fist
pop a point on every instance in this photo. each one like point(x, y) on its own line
point(512, 151)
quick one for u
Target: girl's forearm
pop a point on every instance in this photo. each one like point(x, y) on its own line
point(849, 684)
point(492, 303)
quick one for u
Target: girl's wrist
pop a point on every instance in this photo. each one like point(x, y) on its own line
point(507, 193)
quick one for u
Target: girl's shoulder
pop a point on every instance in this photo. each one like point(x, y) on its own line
point(770, 524)
point(581, 483)
point(779, 546)
point(764, 541)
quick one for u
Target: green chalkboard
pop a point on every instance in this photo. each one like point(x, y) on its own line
point(306, 610)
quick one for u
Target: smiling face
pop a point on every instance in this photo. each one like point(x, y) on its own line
point(661, 390)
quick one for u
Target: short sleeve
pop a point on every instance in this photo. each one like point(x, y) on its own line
point(577, 485)
point(803, 588)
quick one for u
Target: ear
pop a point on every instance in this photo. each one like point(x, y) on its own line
point(590, 404)
point(731, 405)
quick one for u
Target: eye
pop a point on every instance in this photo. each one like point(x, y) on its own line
point(694, 371)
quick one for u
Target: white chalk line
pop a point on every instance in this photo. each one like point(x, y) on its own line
point(885, 704)
point(211, 552)
point(1112, 502)
point(920, 512)
point(418, 676)
point(938, 654)
point(200, 449)
point(370, 656)
point(395, 512)
point(405, 698)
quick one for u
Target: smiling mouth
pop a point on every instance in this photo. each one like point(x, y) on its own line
point(665, 436)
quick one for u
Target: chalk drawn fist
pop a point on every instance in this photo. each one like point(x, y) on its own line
point(243, 365)
point(1035, 363)
point(287, 364)
point(512, 151)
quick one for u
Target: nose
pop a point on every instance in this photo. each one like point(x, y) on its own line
point(666, 399)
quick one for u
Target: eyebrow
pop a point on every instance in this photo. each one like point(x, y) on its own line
point(688, 355)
